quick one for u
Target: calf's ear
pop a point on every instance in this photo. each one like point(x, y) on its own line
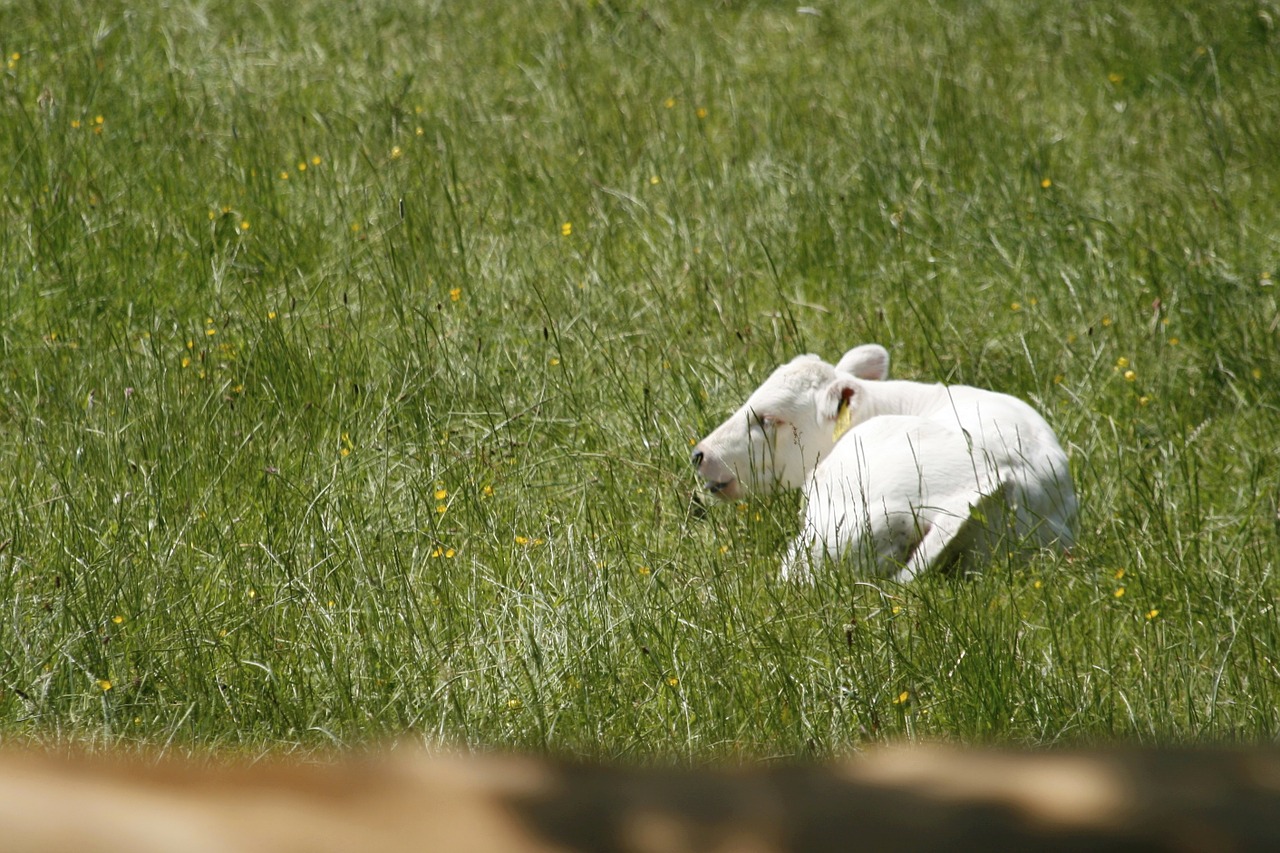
point(869, 361)
point(835, 398)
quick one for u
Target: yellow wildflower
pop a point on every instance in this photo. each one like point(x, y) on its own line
point(566, 229)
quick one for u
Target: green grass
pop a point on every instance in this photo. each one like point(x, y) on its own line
point(232, 388)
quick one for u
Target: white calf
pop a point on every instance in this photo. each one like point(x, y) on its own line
point(926, 473)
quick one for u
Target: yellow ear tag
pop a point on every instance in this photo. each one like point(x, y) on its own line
point(844, 421)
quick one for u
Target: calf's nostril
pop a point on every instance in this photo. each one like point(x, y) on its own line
point(697, 458)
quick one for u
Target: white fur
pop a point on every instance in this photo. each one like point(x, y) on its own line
point(927, 475)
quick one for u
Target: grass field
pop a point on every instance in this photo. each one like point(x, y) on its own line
point(351, 355)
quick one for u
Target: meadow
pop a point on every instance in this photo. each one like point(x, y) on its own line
point(351, 355)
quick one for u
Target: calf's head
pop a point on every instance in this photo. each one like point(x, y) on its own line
point(776, 439)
